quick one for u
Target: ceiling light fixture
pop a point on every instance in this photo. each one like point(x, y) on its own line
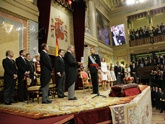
point(131, 2)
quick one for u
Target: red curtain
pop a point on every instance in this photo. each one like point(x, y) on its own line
point(44, 14)
point(78, 25)
point(79, 28)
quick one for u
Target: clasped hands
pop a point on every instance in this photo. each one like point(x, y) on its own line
point(80, 63)
point(15, 76)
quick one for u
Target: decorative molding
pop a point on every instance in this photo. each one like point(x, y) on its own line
point(28, 36)
point(147, 48)
point(103, 8)
point(65, 3)
point(21, 8)
point(133, 9)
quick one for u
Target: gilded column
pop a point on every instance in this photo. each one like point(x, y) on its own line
point(92, 19)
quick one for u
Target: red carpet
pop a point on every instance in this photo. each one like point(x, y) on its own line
point(82, 110)
point(14, 119)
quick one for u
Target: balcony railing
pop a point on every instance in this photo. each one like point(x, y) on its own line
point(149, 40)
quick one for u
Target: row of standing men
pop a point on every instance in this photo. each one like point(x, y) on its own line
point(66, 71)
point(23, 67)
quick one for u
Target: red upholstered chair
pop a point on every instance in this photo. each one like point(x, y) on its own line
point(86, 80)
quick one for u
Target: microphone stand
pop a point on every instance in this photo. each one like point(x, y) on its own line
point(98, 94)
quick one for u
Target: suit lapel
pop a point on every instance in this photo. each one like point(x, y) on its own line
point(72, 57)
point(47, 56)
point(61, 59)
point(23, 60)
point(10, 60)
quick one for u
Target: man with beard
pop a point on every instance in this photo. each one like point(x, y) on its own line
point(94, 64)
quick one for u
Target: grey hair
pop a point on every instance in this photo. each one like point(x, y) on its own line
point(70, 46)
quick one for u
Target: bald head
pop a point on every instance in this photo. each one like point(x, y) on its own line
point(9, 53)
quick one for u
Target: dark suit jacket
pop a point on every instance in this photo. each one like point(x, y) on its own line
point(59, 67)
point(93, 69)
point(133, 70)
point(71, 66)
point(31, 67)
point(22, 67)
point(117, 69)
point(46, 68)
point(122, 72)
point(60, 64)
point(9, 69)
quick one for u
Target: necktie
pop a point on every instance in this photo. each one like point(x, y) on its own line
point(11, 61)
point(62, 59)
point(24, 60)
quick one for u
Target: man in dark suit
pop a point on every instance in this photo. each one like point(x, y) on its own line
point(122, 74)
point(31, 68)
point(30, 64)
point(46, 69)
point(10, 76)
point(71, 71)
point(60, 74)
point(118, 71)
point(22, 73)
point(134, 72)
point(94, 64)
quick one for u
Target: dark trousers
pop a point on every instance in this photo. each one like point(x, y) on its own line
point(8, 93)
point(119, 79)
point(61, 85)
point(22, 90)
point(135, 78)
point(94, 77)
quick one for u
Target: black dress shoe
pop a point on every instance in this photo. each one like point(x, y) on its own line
point(46, 102)
point(60, 96)
point(8, 103)
point(50, 101)
point(73, 98)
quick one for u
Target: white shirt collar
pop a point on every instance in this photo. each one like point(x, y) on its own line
point(9, 57)
point(22, 57)
point(69, 51)
point(44, 51)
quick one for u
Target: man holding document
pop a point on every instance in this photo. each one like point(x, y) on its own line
point(93, 66)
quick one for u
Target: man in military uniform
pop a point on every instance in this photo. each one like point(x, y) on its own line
point(93, 65)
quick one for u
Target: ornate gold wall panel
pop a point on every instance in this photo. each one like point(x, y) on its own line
point(21, 8)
